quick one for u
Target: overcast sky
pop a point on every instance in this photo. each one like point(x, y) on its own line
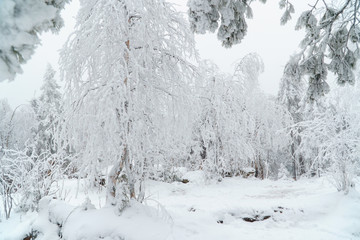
point(274, 43)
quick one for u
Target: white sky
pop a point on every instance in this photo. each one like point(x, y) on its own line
point(274, 43)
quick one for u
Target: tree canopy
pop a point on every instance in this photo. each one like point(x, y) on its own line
point(331, 41)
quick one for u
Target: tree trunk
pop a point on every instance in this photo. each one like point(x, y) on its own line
point(293, 157)
point(122, 173)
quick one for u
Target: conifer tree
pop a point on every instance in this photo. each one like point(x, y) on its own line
point(47, 108)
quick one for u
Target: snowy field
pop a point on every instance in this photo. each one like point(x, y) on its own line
point(234, 208)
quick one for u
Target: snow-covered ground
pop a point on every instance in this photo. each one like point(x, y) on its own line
point(234, 208)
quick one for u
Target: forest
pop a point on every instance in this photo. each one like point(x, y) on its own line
point(135, 129)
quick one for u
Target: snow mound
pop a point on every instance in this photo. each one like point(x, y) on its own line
point(196, 177)
point(136, 222)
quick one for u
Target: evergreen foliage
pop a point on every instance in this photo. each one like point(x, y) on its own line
point(21, 24)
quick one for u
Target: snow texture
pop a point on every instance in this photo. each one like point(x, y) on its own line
point(283, 209)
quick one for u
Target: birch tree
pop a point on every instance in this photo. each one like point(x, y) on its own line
point(126, 67)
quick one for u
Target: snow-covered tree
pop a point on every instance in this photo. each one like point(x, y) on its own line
point(125, 68)
point(5, 127)
point(267, 136)
point(219, 144)
point(266, 118)
point(238, 126)
point(32, 157)
point(291, 93)
point(335, 133)
point(21, 23)
point(16, 125)
point(47, 109)
point(292, 88)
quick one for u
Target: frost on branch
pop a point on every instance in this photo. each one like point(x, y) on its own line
point(205, 15)
point(21, 22)
point(306, 20)
point(331, 43)
point(317, 71)
point(289, 9)
point(343, 60)
point(228, 17)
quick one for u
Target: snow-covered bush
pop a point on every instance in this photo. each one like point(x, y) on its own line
point(27, 177)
